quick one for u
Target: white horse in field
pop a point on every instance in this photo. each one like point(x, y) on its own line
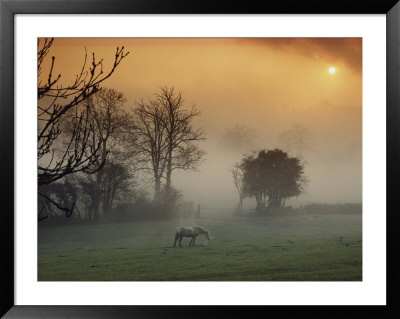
point(192, 232)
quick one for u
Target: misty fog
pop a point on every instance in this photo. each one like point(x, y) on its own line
point(265, 86)
point(333, 160)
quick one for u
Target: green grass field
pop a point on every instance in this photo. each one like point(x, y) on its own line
point(286, 248)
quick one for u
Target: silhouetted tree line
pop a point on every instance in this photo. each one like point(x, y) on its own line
point(84, 132)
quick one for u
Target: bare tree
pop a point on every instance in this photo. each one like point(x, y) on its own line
point(109, 123)
point(55, 100)
point(166, 138)
point(150, 141)
point(238, 180)
point(57, 198)
point(238, 138)
point(109, 120)
point(61, 154)
point(116, 184)
point(298, 139)
point(182, 151)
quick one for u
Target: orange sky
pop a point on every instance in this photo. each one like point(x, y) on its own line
point(265, 84)
point(227, 77)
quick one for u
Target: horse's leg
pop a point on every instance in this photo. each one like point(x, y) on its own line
point(194, 240)
point(176, 238)
point(190, 243)
point(180, 241)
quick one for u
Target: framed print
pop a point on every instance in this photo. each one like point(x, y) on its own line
point(183, 156)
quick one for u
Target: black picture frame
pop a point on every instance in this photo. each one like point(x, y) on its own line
point(8, 9)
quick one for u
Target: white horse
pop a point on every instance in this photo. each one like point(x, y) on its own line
point(192, 232)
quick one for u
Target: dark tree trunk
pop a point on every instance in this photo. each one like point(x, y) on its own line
point(259, 200)
point(275, 201)
point(169, 174)
point(94, 210)
point(106, 204)
point(241, 204)
point(157, 188)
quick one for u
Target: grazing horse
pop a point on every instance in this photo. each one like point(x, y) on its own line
point(192, 232)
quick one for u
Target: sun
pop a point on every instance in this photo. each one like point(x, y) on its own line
point(332, 70)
